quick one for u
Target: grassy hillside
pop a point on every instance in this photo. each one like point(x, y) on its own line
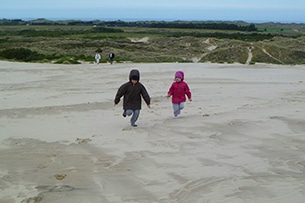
point(76, 44)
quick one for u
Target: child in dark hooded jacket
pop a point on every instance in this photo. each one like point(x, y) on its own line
point(177, 91)
point(132, 91)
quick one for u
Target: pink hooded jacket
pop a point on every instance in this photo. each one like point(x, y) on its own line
point(178, 90)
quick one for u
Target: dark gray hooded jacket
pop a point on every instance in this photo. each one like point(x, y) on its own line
point(132, 93)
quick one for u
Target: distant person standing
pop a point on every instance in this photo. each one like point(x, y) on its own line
point(97, 57)
point(177, 91)
point(111, 57)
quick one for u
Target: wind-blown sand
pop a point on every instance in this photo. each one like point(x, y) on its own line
point(242, 139)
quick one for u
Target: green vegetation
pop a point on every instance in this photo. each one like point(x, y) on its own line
point(73, 42)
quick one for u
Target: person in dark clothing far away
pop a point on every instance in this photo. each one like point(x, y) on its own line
point(132, 92)
point(111, 57)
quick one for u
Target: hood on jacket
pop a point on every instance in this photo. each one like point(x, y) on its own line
point(135, 74)
point(179, 74)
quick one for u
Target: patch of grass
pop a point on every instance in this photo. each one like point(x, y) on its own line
point(21, 54)
point(67, 60)
point(228, 52)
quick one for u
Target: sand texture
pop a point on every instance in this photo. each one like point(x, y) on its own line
point(241, 139)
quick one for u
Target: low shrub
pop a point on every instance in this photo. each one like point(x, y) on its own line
point(21, 54)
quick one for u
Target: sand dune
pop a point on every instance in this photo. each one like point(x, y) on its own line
point(240, 140)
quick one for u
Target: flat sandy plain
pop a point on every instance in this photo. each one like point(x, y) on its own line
point(241, 139)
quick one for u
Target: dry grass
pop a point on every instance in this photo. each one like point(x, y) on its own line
point(156, 45)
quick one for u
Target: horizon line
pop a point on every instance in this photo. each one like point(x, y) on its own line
point(149, 19)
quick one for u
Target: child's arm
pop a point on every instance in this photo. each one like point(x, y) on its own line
point(121, 91)
point(188, 92)
point(170, 92)
point(145, 95)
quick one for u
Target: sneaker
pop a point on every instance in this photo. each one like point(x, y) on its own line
point(177, 116)
point(134, 125)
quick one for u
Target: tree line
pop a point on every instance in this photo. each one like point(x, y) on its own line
point(146, 24)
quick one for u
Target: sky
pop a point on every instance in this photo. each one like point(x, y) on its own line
point(285, 11)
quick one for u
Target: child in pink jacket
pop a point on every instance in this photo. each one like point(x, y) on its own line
point(177, 91)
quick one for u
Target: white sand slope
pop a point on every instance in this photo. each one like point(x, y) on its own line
point(240, 140)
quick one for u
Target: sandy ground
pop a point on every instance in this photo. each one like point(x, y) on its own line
point(242, 139)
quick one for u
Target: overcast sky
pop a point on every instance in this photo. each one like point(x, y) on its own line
point(246, 10)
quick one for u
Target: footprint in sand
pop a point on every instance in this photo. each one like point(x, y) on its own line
point(127, 128)
point(81, 141)
point(60, 176)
